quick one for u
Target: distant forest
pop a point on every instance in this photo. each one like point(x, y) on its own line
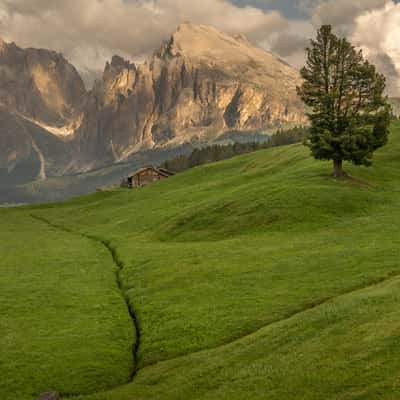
point(218, 152)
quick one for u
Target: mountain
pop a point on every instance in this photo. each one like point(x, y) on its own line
point(27, 151)
point(199, 84)
point(41, 96)
point(40, 85)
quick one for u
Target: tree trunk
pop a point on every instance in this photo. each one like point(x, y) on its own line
point(338, 168)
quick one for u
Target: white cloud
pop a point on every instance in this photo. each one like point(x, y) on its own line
point(89, 32)
point(373, 25)
point(378, 33)
point(341, 13)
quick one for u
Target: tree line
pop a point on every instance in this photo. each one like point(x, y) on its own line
point(218, 152)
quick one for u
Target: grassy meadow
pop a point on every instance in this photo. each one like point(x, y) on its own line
point(63, 321)
point(256, 277)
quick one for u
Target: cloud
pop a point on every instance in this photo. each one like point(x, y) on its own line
point(89, 32)
point(378, 33)
point(291, 43)
point(342, 13)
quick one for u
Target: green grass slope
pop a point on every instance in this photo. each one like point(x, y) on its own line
point(63, 322)
point(257, 277)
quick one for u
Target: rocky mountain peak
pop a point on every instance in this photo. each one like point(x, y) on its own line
point(233, 54)
point(118, 79)
point(6, 47)
point(39, 84)
point(196, 41)
point(201, 83)
point(202, 41)
point(199, 40)
point(119, 63)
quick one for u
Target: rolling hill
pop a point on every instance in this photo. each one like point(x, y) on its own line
point(256, 277)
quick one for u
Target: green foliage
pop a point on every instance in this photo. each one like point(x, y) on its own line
point(208, 154)
point(349, 113)
point(255, 277)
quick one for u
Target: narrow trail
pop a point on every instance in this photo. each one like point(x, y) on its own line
point(118, 262)
point(120, 267)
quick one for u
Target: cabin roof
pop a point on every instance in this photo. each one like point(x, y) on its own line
point(161, 171)
point(166, 171)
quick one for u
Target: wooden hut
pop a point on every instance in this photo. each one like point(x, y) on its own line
point(147, 175)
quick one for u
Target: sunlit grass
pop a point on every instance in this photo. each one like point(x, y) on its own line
point(256, 277)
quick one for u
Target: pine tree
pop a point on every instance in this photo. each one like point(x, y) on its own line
point(348, 111)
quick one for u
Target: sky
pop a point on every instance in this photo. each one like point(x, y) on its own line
point(89, 32)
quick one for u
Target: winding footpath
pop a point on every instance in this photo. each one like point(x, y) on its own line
point(119, 268)
point(135, 348)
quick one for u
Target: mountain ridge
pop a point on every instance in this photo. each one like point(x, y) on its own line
point(199, 84)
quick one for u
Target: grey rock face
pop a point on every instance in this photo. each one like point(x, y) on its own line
point(41, 94)
point(39, 84)
point(198, 85)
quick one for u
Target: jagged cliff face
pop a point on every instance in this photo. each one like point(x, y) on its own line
point(28, 152)
point(41, 97)
point(39, 84)
point(198, 85)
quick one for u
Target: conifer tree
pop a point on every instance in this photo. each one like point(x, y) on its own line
point(344, 95)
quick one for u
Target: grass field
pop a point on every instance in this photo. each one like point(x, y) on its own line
point(257, 277)
point(63, 322)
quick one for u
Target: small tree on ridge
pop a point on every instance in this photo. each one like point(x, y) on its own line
point(348, 111)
